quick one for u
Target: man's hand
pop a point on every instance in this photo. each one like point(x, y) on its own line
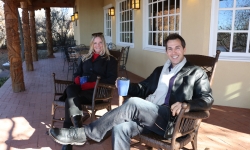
point(176, 108)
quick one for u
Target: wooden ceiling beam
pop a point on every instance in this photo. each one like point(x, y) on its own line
point(52, 4)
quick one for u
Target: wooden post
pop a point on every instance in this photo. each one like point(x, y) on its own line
point(13, 46)
point(33, 35)
point(26, 35)
point(49, 34)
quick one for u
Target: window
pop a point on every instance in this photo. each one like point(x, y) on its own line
point(162, 19)
point(107, 25)
point(230, 29)
point(125, 23)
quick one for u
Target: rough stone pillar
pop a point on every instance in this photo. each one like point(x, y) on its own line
point(33, 35)
point(13, 46)
point(26, 36)
point(49, 34)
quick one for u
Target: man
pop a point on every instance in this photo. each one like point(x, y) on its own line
point(162, 95)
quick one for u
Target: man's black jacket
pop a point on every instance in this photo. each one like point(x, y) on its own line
point(191, 85)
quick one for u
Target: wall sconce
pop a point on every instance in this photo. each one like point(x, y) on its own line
point(135, 4)
point(76, 15)
point(111, 11)
point(72, 18)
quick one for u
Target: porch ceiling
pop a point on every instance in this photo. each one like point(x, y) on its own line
point(39, 4)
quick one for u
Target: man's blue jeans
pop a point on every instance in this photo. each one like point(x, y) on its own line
point(130, 119)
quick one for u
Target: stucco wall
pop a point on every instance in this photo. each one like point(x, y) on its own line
point(231, 85)
point(91, 20)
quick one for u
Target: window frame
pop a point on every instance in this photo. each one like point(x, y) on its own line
point(146, 46)
point(118, 21)
point(227, 56)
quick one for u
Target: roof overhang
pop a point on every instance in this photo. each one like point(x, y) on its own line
point(39, 4)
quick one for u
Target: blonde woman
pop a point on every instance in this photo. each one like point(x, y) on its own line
point(98, 62)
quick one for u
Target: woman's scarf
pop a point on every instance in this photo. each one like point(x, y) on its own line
point(158, 97)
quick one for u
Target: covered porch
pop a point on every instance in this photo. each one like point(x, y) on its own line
point(26, 116)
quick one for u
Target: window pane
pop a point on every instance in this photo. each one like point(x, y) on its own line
point(171, 23)
point(223, 42)
point(123, 27)
point(242, 19)
point(150, 10)
point(109, 32)
point(226, 3)
point(155, 9)
point(242, 3)
point(165, 35)
point(154, 38)
point(240, 42)
point(131, 26)
point(160, 39)
point(177, 22)
point(177, 6)
point(225, 20)
point(150, 39)
point(172, 7)
point(165, 24)
point(125, 5)
point(165, 7)
point(127, 26)
point(130, 15)
point(160, 23)
point(160, 8)
point(150, 24)
point(131, 38)
point(154, 24)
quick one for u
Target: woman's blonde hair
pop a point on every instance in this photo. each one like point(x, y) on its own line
point(104, 52)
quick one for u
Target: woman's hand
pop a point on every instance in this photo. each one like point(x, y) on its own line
point(118, 79)
point(77, 80)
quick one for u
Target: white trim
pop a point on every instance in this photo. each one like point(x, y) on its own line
point(213, 38)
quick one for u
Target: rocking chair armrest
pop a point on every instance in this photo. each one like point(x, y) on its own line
point(196, 115)
point(110, 86)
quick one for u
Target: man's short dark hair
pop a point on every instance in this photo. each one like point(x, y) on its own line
point(174, 37)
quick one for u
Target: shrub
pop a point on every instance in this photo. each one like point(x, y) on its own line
point(2, 80)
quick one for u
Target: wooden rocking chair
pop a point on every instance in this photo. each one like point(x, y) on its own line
point(187, 124)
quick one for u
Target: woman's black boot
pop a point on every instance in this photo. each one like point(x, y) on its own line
point(67, 147)
point(77, 121)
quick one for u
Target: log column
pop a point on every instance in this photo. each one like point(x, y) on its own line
point(26, 35)
point(33, 35)
point(13, 46)
point(49, 34)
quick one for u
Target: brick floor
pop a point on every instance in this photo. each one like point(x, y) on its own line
point(25, 116)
